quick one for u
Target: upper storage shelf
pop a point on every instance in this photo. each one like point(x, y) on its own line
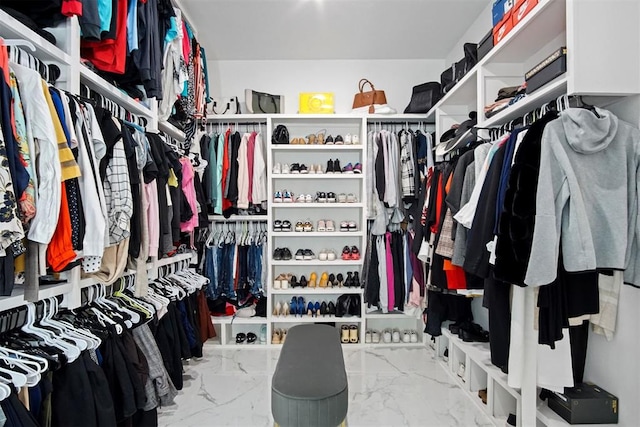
point(597, 65)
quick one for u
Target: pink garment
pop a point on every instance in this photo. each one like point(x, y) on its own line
point(186, 43)
point(153, 217)
point(390, 284)
point(189, 191)
point(250, 153)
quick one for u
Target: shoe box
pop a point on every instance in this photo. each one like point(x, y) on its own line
point(507, 14)
point(553, 66)
point(585, 404)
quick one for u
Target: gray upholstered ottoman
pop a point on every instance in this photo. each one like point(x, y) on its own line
point(309, 385)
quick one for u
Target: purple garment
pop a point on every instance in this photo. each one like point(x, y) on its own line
point(390, 281)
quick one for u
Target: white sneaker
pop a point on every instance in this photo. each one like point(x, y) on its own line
point(331, 255)
point(414, 337)
point(322, 256)
point(396, 336)
point(461, 371)
point(355, 139)
point(375, 337)
point(285, 168)
point(367, 336)
point(386, 336)
point(277, 169)
point(301, 199)
point(308, 198)
point(319, 169)
point(406, 337)
point(347, 139)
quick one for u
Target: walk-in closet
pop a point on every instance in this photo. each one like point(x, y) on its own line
point(319, 213)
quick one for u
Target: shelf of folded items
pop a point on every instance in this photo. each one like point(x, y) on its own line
point(545, 94)
point(11, 28)
point(104, 88)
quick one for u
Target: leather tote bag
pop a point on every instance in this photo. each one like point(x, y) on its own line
point(452, 75)
point(222, 106)
point(423, 98)
point(369, 98)
point(263, 103)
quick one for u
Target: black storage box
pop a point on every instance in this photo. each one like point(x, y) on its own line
point(552, 67)
point(485, 45)
point(585, 404)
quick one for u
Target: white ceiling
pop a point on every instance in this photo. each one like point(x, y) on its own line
point(330, 29)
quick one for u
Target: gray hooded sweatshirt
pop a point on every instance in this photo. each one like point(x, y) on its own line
point(587, 197)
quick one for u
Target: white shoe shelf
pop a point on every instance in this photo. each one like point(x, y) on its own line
point(301, 126)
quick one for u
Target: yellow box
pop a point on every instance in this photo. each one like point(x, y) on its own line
point(316, 103)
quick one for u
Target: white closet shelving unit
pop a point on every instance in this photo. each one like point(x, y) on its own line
point(66, 55)
point(301, 125)
point(603, 69)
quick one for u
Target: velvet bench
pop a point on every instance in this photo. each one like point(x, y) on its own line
point(309, 386)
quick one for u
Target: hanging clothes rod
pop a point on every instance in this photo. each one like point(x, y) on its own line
point(237, 218)
point(400, 123)
point(19, 43)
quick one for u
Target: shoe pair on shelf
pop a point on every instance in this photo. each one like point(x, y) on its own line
point(278, 336)
point(305, 254)
point(350, 253)
point(349, 334)
point(469, 332)
point(338, 280)
point(322, 197)
point(394, 336)
point(296, 168)
point(250, 338)
point(348, 226)
point(279, 225)
point(284, 196)
point(333, 166)
point(327, 255)
point(304, 226)
point(282, 254)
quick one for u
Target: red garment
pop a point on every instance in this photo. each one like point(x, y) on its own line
point(60, 250)
point(226, 203)
point(206, 326)
point(456, 279)
point(439, 202)
point(71, 7)
point(109, 55)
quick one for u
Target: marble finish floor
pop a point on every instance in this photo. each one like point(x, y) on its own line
point(387, 387)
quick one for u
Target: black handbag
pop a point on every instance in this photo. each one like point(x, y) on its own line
point(423, 97)
point(280, 135)
point(452, 75)
point(470, 56)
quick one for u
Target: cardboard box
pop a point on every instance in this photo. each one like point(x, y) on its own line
point(503, 28)
point(553, 66)
point(316, 103)
point(522, 9)
point(585, 404)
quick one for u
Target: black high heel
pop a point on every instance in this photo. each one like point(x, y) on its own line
point(293, 282)
point(332, 280)
point(356, 279)
point(303, 282)
point(340, 278)
point(323, 308)
point(349, 280)
point(331, 309)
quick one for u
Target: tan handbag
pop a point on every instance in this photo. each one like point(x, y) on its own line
point(368, 99)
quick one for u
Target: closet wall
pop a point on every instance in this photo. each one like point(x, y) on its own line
point(613, 365)
point(289, 78)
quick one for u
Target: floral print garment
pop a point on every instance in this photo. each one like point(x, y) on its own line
point(10, 226)
point(28, 201)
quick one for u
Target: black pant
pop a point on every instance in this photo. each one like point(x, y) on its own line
point(498, 301)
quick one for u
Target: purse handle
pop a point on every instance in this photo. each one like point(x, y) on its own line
point(362, 83)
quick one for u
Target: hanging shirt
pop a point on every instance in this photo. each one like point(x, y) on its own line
point(39, 125)
point(259, 187)
point(190, 193)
